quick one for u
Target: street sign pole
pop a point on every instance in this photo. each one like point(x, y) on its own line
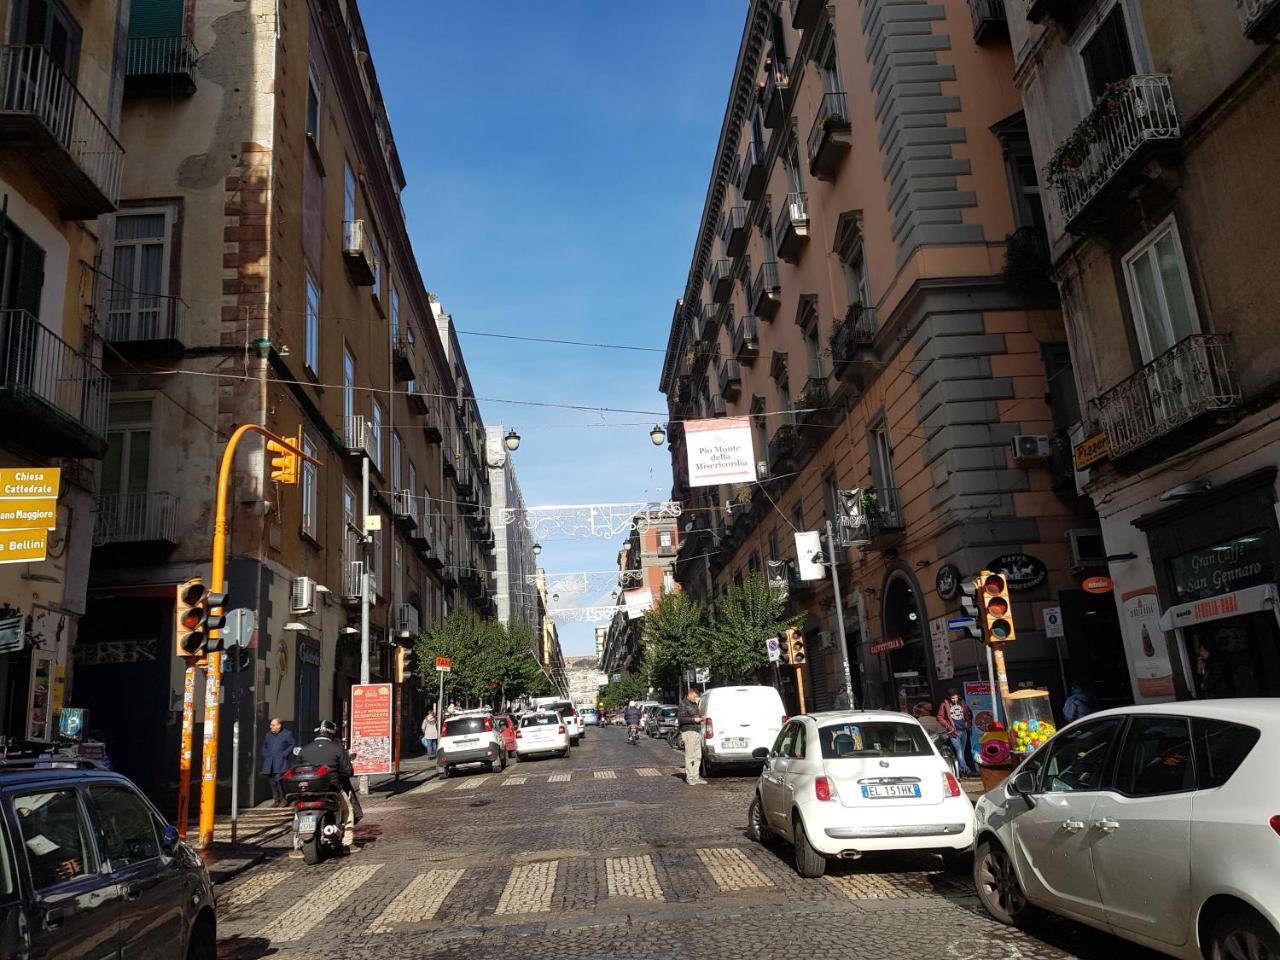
point(835, 587)
point(364, 590)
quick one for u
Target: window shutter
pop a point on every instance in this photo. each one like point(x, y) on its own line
point(155, 18)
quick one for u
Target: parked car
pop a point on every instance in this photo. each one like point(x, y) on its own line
point(644, 706)
point(1158, 823)
point(470, 738)
point(664, 720)
point(89, 868)
point(542, 733)
point(844, 783)
point(649, 719)
point(507, 726)
point(737, 722)
point(569, 713)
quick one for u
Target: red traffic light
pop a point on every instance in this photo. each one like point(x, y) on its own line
point(994, 584)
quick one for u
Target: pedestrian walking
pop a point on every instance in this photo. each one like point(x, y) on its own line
point(689, 720)
point(956, 719)
point(277, 751)
point(430, 733)
point(1079, 704)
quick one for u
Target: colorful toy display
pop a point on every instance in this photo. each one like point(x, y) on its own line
point(1027, 735)
point(1030, 720)
point(994, 751)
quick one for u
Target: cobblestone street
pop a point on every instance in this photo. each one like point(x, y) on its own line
point(606, 854)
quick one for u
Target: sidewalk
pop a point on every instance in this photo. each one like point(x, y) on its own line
point(266, 831)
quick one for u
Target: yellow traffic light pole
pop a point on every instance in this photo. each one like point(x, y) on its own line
point(217, 585)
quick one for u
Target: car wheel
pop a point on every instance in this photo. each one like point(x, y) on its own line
point(757, 825)
point(997, 882)
point(809, 862)
point(706, 769)
point(958, 861)
point(1245, 935)
point(449, 771)
point(488, 767)
point(502, 761)
point(203, 945)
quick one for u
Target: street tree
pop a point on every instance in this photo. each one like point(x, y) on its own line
point(676, 638)
point(747, 614)
point(619, 692)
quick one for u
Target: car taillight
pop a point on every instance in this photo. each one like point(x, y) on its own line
point(709, 732)
point(488, 724)
point(519, 734)
point(951, 785)
point(444, 730)
point(824, 789)
point(1275, 823)
point(288, 774)
point(562, 730)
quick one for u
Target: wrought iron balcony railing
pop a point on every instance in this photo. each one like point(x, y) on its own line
point(1197, 377)
point(777, 91)
point(58, 395)
point(47, 120)
point(855, 331)
point(136, 518)
point(989, 20)
point(875, 519)
point(766, 290)
point(804, 13)
point(792, 230)
point(1260, 19)
point(783, 442)
point(357, 252)
point(160, 65)
point(718, 407)
point(751, 175)
point(1129, 116)
point(404, 505)
point(138, 319)
point(403, 360)
point(813, 400)
point(746, 340)
point(720, 279)
point(358, 434)
point(828, 137)
point(734, 230)
point(730, 378)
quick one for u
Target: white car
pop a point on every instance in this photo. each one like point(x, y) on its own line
point(845, 783)
point(1158, 823)
point(738, 721)
point(543, 732)
point(467, 738)
point(569, 714)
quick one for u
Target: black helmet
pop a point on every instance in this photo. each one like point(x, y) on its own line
point(327, 728)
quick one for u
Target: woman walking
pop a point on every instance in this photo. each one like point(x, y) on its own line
point(430, 733)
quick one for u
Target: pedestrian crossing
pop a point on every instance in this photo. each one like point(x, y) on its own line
point(523, 774)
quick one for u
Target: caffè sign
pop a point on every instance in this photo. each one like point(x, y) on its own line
point(1020, 570)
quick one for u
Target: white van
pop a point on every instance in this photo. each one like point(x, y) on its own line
point(736, 721)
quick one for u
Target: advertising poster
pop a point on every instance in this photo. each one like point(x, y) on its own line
point(720, 451)
point(371, 728)
point(638, 601)
point(977, 694)
point(1146, 647)
point(940, 637)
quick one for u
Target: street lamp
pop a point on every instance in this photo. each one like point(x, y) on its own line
point(511, 441)
point(537, 549)
point(657, 435)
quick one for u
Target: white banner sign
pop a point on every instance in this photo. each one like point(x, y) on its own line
point(809, 555)
point(941, 638)
point(638, 601)
point(720, 451)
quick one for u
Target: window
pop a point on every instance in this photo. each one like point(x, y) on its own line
point(313, 108)
point(1078, 758)
point(813, 351)
point(348, 193)
point(56, 837)
point(8, 869)
point(427, 513)
point(1107, 54)
point(312, 352)
point(377, 434)
point(375, 561)
point(1159, 288)
point(41, 23)
point(126, 827)
point(395, 461)
point(395, 316)
point(830, 495)
point(375, 248)
point(308, 481)
point(412, 485)
point(791, 166)
point(773, 545)
point(21, 271)
point(397, 572)
point(348, 385)
point(888, 738)
point(138, 309)
point(1156, 757)
point(127, 466)
point(829, 67)
point(785, 743)
point(1220, 749)
point(797, 515)
point(664, 538)
point(349, 505)
point(881, 458)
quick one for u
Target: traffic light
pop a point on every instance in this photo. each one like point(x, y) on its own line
point(405, 662)
point(969, 605)
point(997, 609)
point(795, 640)
point(215, 619)
point(190, 616)
point(284, 462)
point(784, 647)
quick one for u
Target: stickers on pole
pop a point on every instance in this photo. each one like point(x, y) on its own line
point(720, 451)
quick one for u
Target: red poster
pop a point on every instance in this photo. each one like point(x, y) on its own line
point(371, 727)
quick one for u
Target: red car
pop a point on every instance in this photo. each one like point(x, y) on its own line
point(506, 726)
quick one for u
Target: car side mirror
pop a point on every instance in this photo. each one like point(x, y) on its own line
point(760, 753)
point(169, 839)
point(1024, 785)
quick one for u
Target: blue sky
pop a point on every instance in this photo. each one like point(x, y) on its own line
point(557, 156)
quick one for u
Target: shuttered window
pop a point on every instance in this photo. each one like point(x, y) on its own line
point(155, 18)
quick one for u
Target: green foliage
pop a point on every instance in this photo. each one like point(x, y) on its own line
point(676, 638)
point(483, 652)
point(746, 616)
point(616, 693)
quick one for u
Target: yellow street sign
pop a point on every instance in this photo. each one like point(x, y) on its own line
point(1090, 450)
point(21, 482)
point(23, 546)
point(31, 514)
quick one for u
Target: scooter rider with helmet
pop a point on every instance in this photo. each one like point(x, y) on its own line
point(328, 750)
point(631, 714)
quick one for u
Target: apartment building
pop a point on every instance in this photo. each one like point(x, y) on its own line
point(869, 290)
point(645, 562)
point(1158, 125)
point(61, 79)
point(549, 654)
point(260, 271)
point(514, 563)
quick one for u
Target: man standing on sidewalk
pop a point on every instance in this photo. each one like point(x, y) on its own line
point(277, 757)
point(690, 722)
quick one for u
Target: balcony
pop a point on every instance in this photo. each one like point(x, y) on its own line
point(402, 358)
point(405, 618)
point(1026, 258)
point(782, 445)
point(1260, 19)
point(1064, 11)
point(777, 92)
point(751, 175)
point(989, 20)
point(766, 291)
point(358, 437)
point(709, 327)
point(792, 229)
point(352, 580)
point(830, 137)
point(853, 333)
point(720, 279)
point(160, 67)
point(1192, 383)
point(449, 573)
point(683, 388)
point(136, 519)
point(150, 324)
point(46, 122)
point(357, 252)
point(875, 522)
point(730, 379)
point(57, 395)
point(404, 508)
point(746, 340)
point(1106, 155)
point(415, 397)
point(813, 402)
point(734, 231)
point(804, 13)
point(420, 535)
point(718, 407)
point(471, 582)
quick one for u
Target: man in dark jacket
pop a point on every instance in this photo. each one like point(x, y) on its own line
point(956, 718)
point(277, 754)
point(327, 750)
point(689, 719)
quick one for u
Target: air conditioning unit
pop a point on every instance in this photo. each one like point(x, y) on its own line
point(1087, 549)
point(302, 596)
point(1030, 447)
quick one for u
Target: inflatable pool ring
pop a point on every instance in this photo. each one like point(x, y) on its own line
point(994, 752)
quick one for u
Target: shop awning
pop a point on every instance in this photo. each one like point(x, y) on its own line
point(1263, 597)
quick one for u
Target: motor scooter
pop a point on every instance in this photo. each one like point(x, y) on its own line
point(319, 810)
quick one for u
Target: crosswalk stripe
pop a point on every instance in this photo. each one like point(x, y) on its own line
point(558, 778)
point(648, 771)
point(632, 877)
point(516, 781)
point(731, 870)
point(529, 889)
point(606, 775)
point(428, 786)
point(253, 888)
point(419, 901)
point(299, 920)
point(471, 783)
point(873, 886)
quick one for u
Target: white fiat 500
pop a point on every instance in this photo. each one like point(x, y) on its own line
point(846, 783)
point(1158, 823)
point(542, 733)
